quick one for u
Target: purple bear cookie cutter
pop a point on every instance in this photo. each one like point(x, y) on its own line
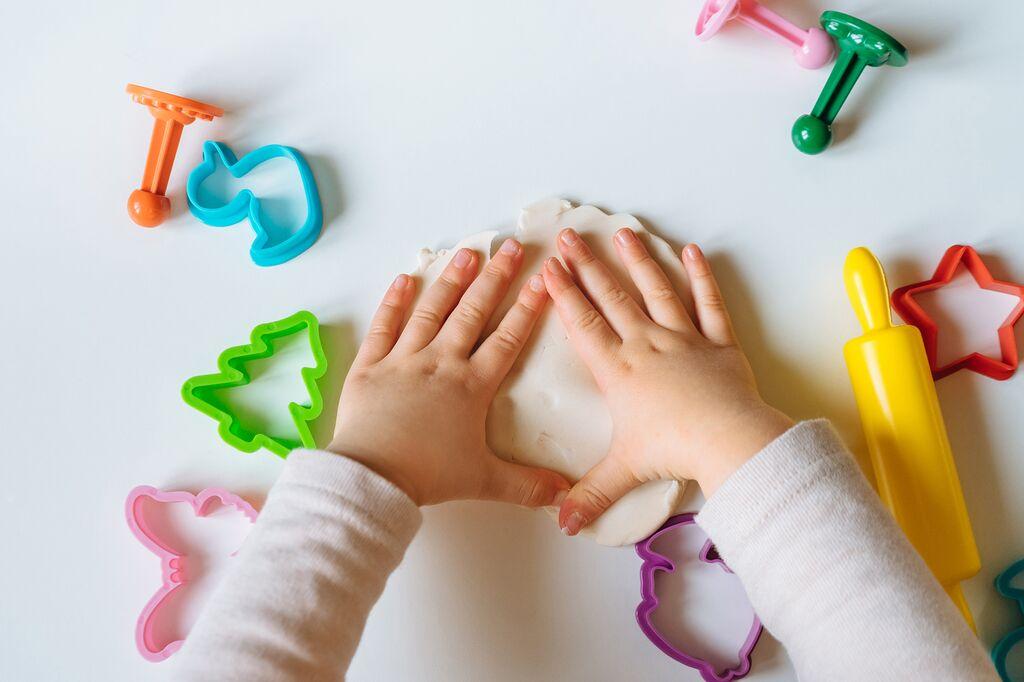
point(654, 562)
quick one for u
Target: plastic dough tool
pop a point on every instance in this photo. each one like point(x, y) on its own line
point(860, 45)
point(906, 435)
point(654, 562)
point(266, 249)
point(812, 48)
point(174, 564)
point(149, 206)
point(912, 313)
point(200, 392)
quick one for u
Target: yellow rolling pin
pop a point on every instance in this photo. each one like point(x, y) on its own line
point(906, 436)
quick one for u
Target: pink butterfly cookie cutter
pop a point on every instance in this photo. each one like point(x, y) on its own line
point(654, 562)
point(173, 560)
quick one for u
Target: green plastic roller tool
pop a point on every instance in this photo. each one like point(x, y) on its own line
point(860, 44)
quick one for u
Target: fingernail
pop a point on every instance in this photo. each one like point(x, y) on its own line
point(553, 265)
point(625, 237)
point(569, 236)
point(573, 524)
point(400, 282)
point(537, 283)
point(510, 247)
point(462, 258)
point(692, 251)
point(559, 498)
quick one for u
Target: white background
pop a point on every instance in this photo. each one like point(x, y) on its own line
point(425, 121)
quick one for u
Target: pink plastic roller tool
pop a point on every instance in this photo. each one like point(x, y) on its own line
point(812, 48)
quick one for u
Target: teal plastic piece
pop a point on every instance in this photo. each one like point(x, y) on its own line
point(200, 392)
point(860, 45)
point(1001, 651)
point(247, 205)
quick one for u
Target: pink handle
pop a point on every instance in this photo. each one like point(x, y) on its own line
point(812, 48)
point(768, 22)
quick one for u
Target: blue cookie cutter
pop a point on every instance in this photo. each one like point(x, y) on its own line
point(247, 205)
point(1001, 651)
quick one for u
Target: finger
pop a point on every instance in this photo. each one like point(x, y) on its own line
point(663, 303)
point(438, 300)
point(588, 331)
point(601, 487)
point(499, 351)
point(712, 315)
point(471, 315)
point(387, 321)
point(523, 485)
point(611, 300)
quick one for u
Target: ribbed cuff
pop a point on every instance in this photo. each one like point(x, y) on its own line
point(769, 481)
point(355, 485)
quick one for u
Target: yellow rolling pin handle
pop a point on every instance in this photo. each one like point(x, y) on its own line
point(905, 432)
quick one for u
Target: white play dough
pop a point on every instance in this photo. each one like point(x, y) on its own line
point(549, 411)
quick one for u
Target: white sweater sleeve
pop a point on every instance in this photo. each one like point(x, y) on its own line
point(294, 602)
point(830, 573)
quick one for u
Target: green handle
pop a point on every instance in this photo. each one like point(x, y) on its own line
point(848, 67)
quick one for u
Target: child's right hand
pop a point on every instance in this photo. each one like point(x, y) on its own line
point(680, 391)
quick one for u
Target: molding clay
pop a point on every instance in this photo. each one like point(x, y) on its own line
point(548, 412)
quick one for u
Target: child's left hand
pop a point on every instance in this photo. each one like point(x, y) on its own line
point(415, 402)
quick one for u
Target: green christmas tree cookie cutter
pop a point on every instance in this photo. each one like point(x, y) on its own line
point(200, 392)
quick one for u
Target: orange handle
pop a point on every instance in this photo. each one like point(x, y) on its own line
point(163, 145)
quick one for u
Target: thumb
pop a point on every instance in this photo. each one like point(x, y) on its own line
point(602, 486)
point(523, 485)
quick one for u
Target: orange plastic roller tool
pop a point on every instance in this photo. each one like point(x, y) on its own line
point(149, 206)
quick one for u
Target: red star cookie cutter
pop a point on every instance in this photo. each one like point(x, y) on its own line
point(903, 303)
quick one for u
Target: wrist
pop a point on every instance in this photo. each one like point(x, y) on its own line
point(742, 440)
point(377, 464)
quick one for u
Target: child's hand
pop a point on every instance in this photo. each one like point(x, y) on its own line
point(415, 401)
point(681, 393)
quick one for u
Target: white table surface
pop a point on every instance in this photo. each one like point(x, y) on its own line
point(425, 122)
